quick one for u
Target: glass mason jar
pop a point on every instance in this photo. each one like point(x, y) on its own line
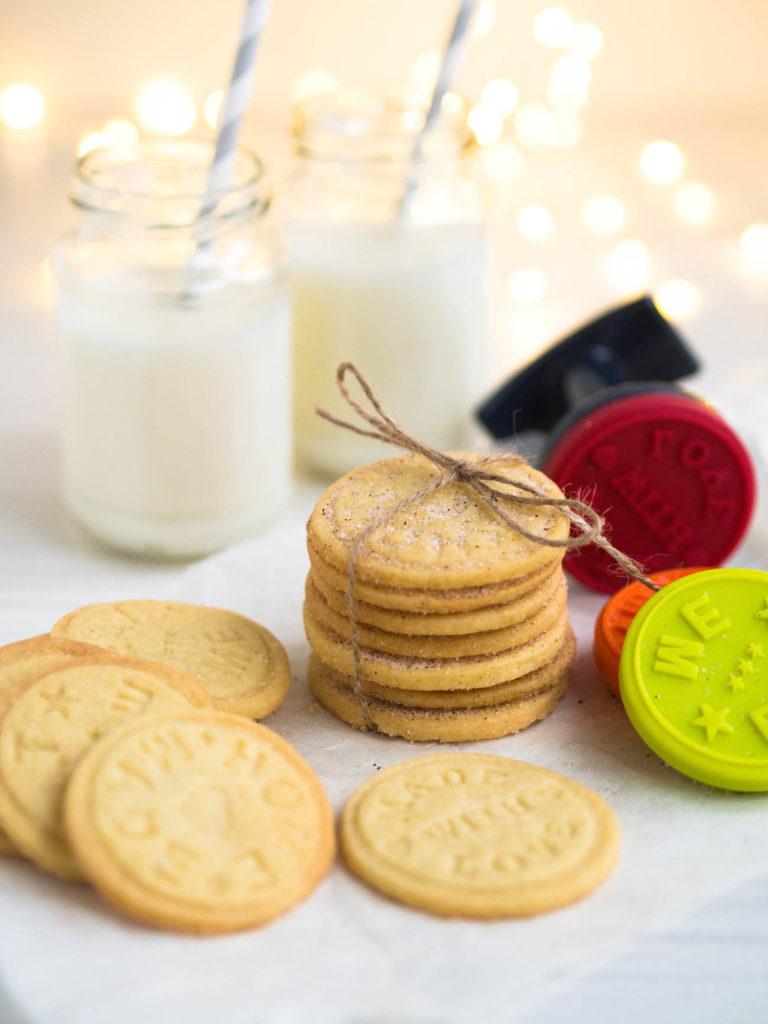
point(175, 344)
point(401, 292)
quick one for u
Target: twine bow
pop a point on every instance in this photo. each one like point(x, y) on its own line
point(587, 525)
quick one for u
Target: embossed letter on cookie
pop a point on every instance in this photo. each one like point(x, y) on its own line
point(472, 835)
point(199, 822)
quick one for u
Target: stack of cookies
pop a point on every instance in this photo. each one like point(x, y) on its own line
point(462, 626)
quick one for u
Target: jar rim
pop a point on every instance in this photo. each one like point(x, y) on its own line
point(358, 127)
point(165, 180)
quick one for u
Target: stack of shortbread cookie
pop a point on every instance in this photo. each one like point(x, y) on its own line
point(462, 625)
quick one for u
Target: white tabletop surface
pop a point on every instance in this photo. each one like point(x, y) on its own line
point(710, 967)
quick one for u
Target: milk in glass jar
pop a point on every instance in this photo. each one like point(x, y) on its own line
point(175, 341)
point(399, 291)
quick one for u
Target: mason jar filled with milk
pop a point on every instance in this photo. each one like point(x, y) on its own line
point(175, 337)
point(399, 288)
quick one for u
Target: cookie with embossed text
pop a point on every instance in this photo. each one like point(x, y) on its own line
point(199, 822)
point(48, 723)
point(241, 664)
point(471, 835)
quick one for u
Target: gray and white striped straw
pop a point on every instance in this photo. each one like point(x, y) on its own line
point(451, 56)
point(235, 103)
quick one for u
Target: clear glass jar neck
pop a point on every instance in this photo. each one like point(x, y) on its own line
point(355, 153)
point(160, 188)
point(149, 225)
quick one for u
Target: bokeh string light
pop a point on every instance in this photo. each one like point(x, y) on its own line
point(535, 223)
point(678, 299)
point(662, 162)
point(164, 107)
point(21, 106)
point(527, 285)
point(604, 214)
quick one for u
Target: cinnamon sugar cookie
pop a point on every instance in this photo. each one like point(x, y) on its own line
point(480, 620)
point(448, 539)
point(431, 725)
point(463, 646)
point(501, 693)
point(435, 673)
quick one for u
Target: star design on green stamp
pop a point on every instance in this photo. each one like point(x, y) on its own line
point(756, 651)
point(734, 682)
point(713, 721)
point(746, 667)
point(764, 613)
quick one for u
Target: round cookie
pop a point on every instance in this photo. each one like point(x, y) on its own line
point(451, 700)
point(481, 620)
point(430, 725)
point(27, 659)
point(48, 723)
point(436, 673)
point(202, 823)
point(440, 602)
point(437, 646)
point(448, 539)
point(425, 725)
point(470, 835)
point(243, 667)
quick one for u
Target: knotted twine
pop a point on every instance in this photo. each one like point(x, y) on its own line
point(589, 525)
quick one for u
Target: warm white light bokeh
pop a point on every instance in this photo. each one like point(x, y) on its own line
point(662, 162)
point(486, 124)
point(694, 203)
point(535, 126)
point(535, 223)
point(678, 299)
point(312, 83)
point(527, 285)
point(627, 268)
point(120, 133)
point(553, 27)
point(604, 214)
point(502, 162)
point(21, 106)
point(165, 108)
point(500, 95)
point(91, 141)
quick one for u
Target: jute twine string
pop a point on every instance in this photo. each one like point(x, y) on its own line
point(589, 525)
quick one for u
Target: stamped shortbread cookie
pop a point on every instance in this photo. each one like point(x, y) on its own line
point(464, 646)
point(550, 674)
point(435, 673)
point(199, 822)
point(448, 539)
point(241, 664)
point(433, 601)
point(430, 725)
point(28, 659)
point(47, 724)
point(479, 620)
point(470, 835)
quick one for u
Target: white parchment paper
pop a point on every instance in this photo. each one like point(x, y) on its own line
point(347, 955)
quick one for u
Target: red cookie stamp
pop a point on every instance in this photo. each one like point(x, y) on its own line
point(674, 482)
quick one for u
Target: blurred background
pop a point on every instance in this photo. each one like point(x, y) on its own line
point(625, 146)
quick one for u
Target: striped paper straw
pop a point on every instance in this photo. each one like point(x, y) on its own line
point(235, 103)
point(451, 56)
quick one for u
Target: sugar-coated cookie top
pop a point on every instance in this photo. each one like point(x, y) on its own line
point(449, 538)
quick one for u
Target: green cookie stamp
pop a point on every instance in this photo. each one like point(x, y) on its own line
point(694, 677)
